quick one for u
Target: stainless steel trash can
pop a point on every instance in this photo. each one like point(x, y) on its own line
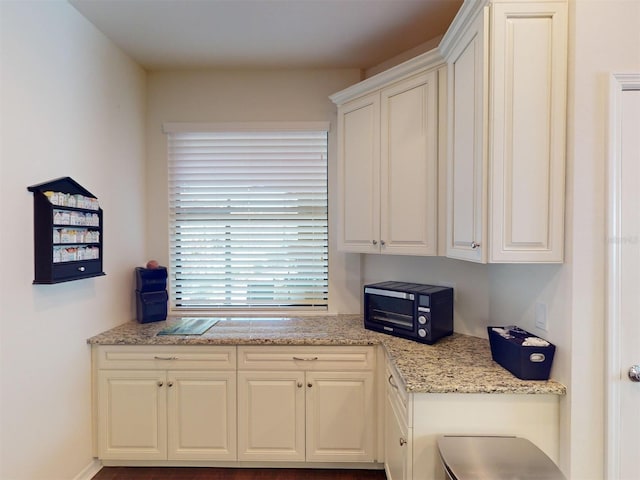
point(495, 458)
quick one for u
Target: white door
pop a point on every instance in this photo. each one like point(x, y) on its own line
point(271, 416)
point(623, 393)
point(409, 166)
point(201, 415)
point(467, 156)
point(340, 420)
point(528, 84)
point(359, 175)
point(396, 444)
point(132, 408)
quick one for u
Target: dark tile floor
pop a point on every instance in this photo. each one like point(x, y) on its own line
point(197, 473)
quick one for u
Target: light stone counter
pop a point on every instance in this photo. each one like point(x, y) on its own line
point(455, 364)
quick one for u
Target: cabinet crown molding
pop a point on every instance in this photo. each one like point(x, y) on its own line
point(467, 13)
point(426, 61)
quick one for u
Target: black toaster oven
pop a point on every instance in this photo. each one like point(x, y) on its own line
point(423, 313)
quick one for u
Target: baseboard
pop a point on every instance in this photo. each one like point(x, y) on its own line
point(89, 471)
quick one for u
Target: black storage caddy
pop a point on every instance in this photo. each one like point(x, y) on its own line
point(527, 362)
point(151, 294)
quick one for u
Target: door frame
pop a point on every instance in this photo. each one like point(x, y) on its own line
point(618, 84)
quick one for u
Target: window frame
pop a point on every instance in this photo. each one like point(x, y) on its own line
point(173, 127)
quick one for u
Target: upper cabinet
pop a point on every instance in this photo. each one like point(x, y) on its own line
point(507, 77)
point(388, 164)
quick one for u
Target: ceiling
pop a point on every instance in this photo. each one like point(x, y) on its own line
point(181, 34)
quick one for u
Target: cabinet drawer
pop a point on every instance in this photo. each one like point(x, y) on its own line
point(306, 358)
point(80, 268)
point(169, 357)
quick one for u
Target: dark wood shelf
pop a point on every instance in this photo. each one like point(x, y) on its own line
point(46, 271)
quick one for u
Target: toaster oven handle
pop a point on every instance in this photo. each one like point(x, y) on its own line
point(389, 293)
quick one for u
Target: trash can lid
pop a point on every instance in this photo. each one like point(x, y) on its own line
point(495, 458)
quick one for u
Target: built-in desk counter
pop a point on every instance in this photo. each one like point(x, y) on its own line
point(180, 399)
point(455, 364)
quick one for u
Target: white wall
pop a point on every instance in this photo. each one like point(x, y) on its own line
point(246, 96)
point(71, 105)
point(605, 38)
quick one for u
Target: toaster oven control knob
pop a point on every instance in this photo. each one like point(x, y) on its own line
point(422, 320)
point(422, 332)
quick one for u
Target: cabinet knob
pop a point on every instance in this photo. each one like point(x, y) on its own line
point(300, 384)
point(403, 442)
point(375, 242)
point(169, 384)
point(160, 383)
point(382, 242)
point(81, 269)
point(309, 384)
point(474, 245)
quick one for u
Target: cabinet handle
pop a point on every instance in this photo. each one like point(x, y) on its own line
point(165, 358)
point(310, 359)
point(375, 242)
point(160, 383)
point(474, 245)
point(392, 382)
point(403, 442)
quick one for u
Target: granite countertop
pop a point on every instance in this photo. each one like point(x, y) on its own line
point(455, 364)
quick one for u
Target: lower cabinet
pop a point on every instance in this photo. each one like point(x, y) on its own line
point(145, 412)
point(300, 412)
point(175, 404)
point(414, 421)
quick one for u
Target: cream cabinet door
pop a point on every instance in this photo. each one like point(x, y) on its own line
point(201, 415)
point(409, 166)
point(359, 175)
point(271, 416)
point(397, 448)
point(528, 112)
point(507, 121)
point(340, 417)
point(132, 410)
point(467, 153)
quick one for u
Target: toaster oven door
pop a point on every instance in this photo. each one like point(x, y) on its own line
point(394, 310)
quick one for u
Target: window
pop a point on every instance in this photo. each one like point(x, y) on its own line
point(248, 218)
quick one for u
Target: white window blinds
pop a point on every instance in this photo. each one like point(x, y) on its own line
point(248, 219)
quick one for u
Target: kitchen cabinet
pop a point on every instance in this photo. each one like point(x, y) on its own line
point(68, 235)
point(166, 403)
point(414, 421)
point(313, 404)
point(507, 76)
point(388, 168)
